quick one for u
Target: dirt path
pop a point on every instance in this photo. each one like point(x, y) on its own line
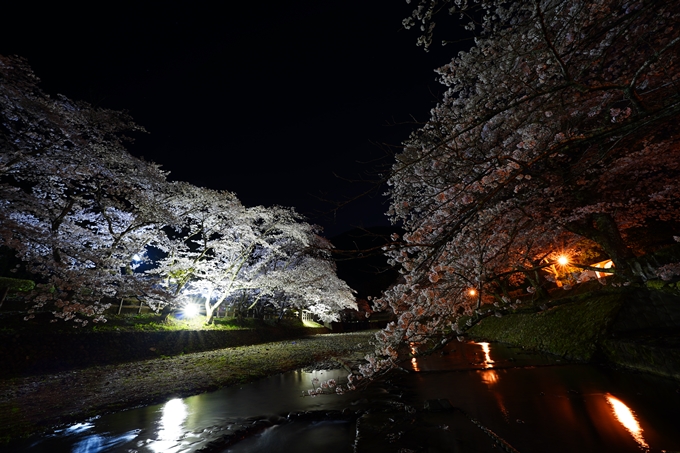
point(34, 404)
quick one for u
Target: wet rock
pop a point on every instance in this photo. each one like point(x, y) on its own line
point(218, 444)
point(255, 418)
point(371, 432)
point(277, 419)
point(264, 423)
point(333, 415)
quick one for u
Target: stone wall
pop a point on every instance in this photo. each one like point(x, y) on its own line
point(646, 334)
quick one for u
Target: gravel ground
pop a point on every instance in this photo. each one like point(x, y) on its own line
point(34, 404)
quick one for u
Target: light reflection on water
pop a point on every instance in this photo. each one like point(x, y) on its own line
point(99, 443)
point(627, 418)
point(561, 409)
point(188, 424)
point(489, 377)
point(540, 403)
point(414, 361)
point(488, 363)
point(171, 426)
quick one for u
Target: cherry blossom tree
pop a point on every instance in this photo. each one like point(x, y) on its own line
point(207, 251)
point(223, 251)
point(305, 279)
point(537, 112)
point(76, 206)
point(558, 123)
point(80, 211)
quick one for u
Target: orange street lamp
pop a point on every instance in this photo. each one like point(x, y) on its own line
point(562, 260)
point(472, 292)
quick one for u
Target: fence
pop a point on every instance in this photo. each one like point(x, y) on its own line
point(135, 306)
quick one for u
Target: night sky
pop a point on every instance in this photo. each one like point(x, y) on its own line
point(268, 99)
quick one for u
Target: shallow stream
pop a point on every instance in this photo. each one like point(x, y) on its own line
point(500, 395)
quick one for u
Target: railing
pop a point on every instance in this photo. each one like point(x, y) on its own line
point(138, 307)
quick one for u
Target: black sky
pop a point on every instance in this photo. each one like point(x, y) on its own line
point(266, 99)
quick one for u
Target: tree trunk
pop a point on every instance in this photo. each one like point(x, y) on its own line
point(210, 308)
point(166, 311)
point(602, 229)
point(209, 312)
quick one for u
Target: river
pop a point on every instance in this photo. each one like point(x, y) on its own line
point(471, 397)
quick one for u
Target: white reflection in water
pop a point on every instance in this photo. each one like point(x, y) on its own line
point(78, 428)
point(626, 417)
point(488, 363)
point(99, 443)
point(171, 423)
point(91, 444)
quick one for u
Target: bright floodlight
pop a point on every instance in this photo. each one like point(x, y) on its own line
point(562, 260)
point(472, 292)
point(191, 310)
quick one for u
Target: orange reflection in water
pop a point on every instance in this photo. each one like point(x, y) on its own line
point(414, 361)
point(627, 418)
point(489, 377)
point(488, 363)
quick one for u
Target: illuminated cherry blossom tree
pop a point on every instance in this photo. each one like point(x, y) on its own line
point(306, 279)
point(75, 205)
point(559, 123)
point(223, 250)
point(80, 212)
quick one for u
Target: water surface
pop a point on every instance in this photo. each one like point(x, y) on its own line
point(534, 402)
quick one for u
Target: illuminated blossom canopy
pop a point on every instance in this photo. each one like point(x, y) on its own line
point(80, 212)
point(558, 129)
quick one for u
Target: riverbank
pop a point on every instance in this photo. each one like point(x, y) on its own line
point(33, 404)
point(634, 328)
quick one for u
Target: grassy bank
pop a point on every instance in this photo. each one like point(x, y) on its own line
point(572, 330)
point(35, 403)
point(636, 328)
point(36, 348)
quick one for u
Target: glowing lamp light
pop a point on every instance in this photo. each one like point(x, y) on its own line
point(472, 292)
point(562, 260)
point(191, 310)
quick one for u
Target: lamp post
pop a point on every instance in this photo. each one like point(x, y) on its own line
point(472, 292)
